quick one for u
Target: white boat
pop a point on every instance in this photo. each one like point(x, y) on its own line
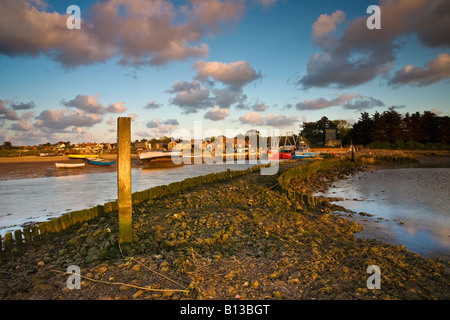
point(69, 165)
point(157, 154)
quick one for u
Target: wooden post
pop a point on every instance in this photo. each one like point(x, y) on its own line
point(8, 240)
point(18, 237)
point(353, 151)
point(124, 179)
point(27, 235)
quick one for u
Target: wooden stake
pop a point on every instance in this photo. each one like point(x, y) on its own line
point(124, 179)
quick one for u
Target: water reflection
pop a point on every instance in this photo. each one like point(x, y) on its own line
point(410, 207)
point(38, 199)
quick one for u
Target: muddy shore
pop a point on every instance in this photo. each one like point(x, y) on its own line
point(239, 239)
point(39, 167)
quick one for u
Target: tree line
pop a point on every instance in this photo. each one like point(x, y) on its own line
point(386, 130)
point(409, 131)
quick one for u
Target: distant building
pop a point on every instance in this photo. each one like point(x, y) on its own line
point(142, 146)
point(171, 145)
point(224, 143)
point(159, 146)
point(330, 136)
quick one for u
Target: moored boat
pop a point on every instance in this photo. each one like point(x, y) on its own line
point(298, 154)
point(158, 154)
point(82, 156)
point(303, 151)
point(286, 152)
point(273, 155)
point(61, 165)
point(100, 161)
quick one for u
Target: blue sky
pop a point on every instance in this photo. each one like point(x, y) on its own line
point(229, 63)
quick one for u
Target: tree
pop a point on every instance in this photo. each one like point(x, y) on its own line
point(323, 124)
point(7, 145)
point(444, 126)
point(413, 127)
point(311, 130)
point(430, 127)
point(390, 126)
point(343, 130)
point(363, 130)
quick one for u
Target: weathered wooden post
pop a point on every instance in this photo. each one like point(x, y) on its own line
point(124, 178)
point(353, 151)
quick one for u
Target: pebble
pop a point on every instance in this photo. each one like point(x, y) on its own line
point(138, 294)
point(136, 268)
point(124, 288)
point(101, 270)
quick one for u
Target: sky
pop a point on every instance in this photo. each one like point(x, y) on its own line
point(220, 65)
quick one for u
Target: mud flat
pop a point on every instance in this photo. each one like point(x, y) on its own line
point(238, 239)
point(397, 203)
point(39, 167)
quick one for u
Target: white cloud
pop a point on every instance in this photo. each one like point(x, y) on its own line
point(116, 107)
point(279, 121)
point(236, 74)
point(435, 70)
point(360, 54)
point(322, 103)
point(137, 32)
point(6, 113)
point(190, 96)
point(152, 105)
point(326, 24)
point(59, 120)
point(87, 103)
point(260, 107)
point(253, 118)
point(216, 114)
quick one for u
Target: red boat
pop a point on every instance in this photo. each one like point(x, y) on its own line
point(286, 152)
point(273, 156)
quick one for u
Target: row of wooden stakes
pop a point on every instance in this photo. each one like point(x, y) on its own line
point(49, 228)
point(304, 173)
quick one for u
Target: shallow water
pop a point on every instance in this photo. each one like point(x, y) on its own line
point(410, 206)
point(38, 199)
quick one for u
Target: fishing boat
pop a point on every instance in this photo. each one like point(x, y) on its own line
point(61, 165)
point(82, 156)
point(286, 152)
point(273, 155)
point(300, 154)
point(158, 154)
point(100, 161)
point(303, 151)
